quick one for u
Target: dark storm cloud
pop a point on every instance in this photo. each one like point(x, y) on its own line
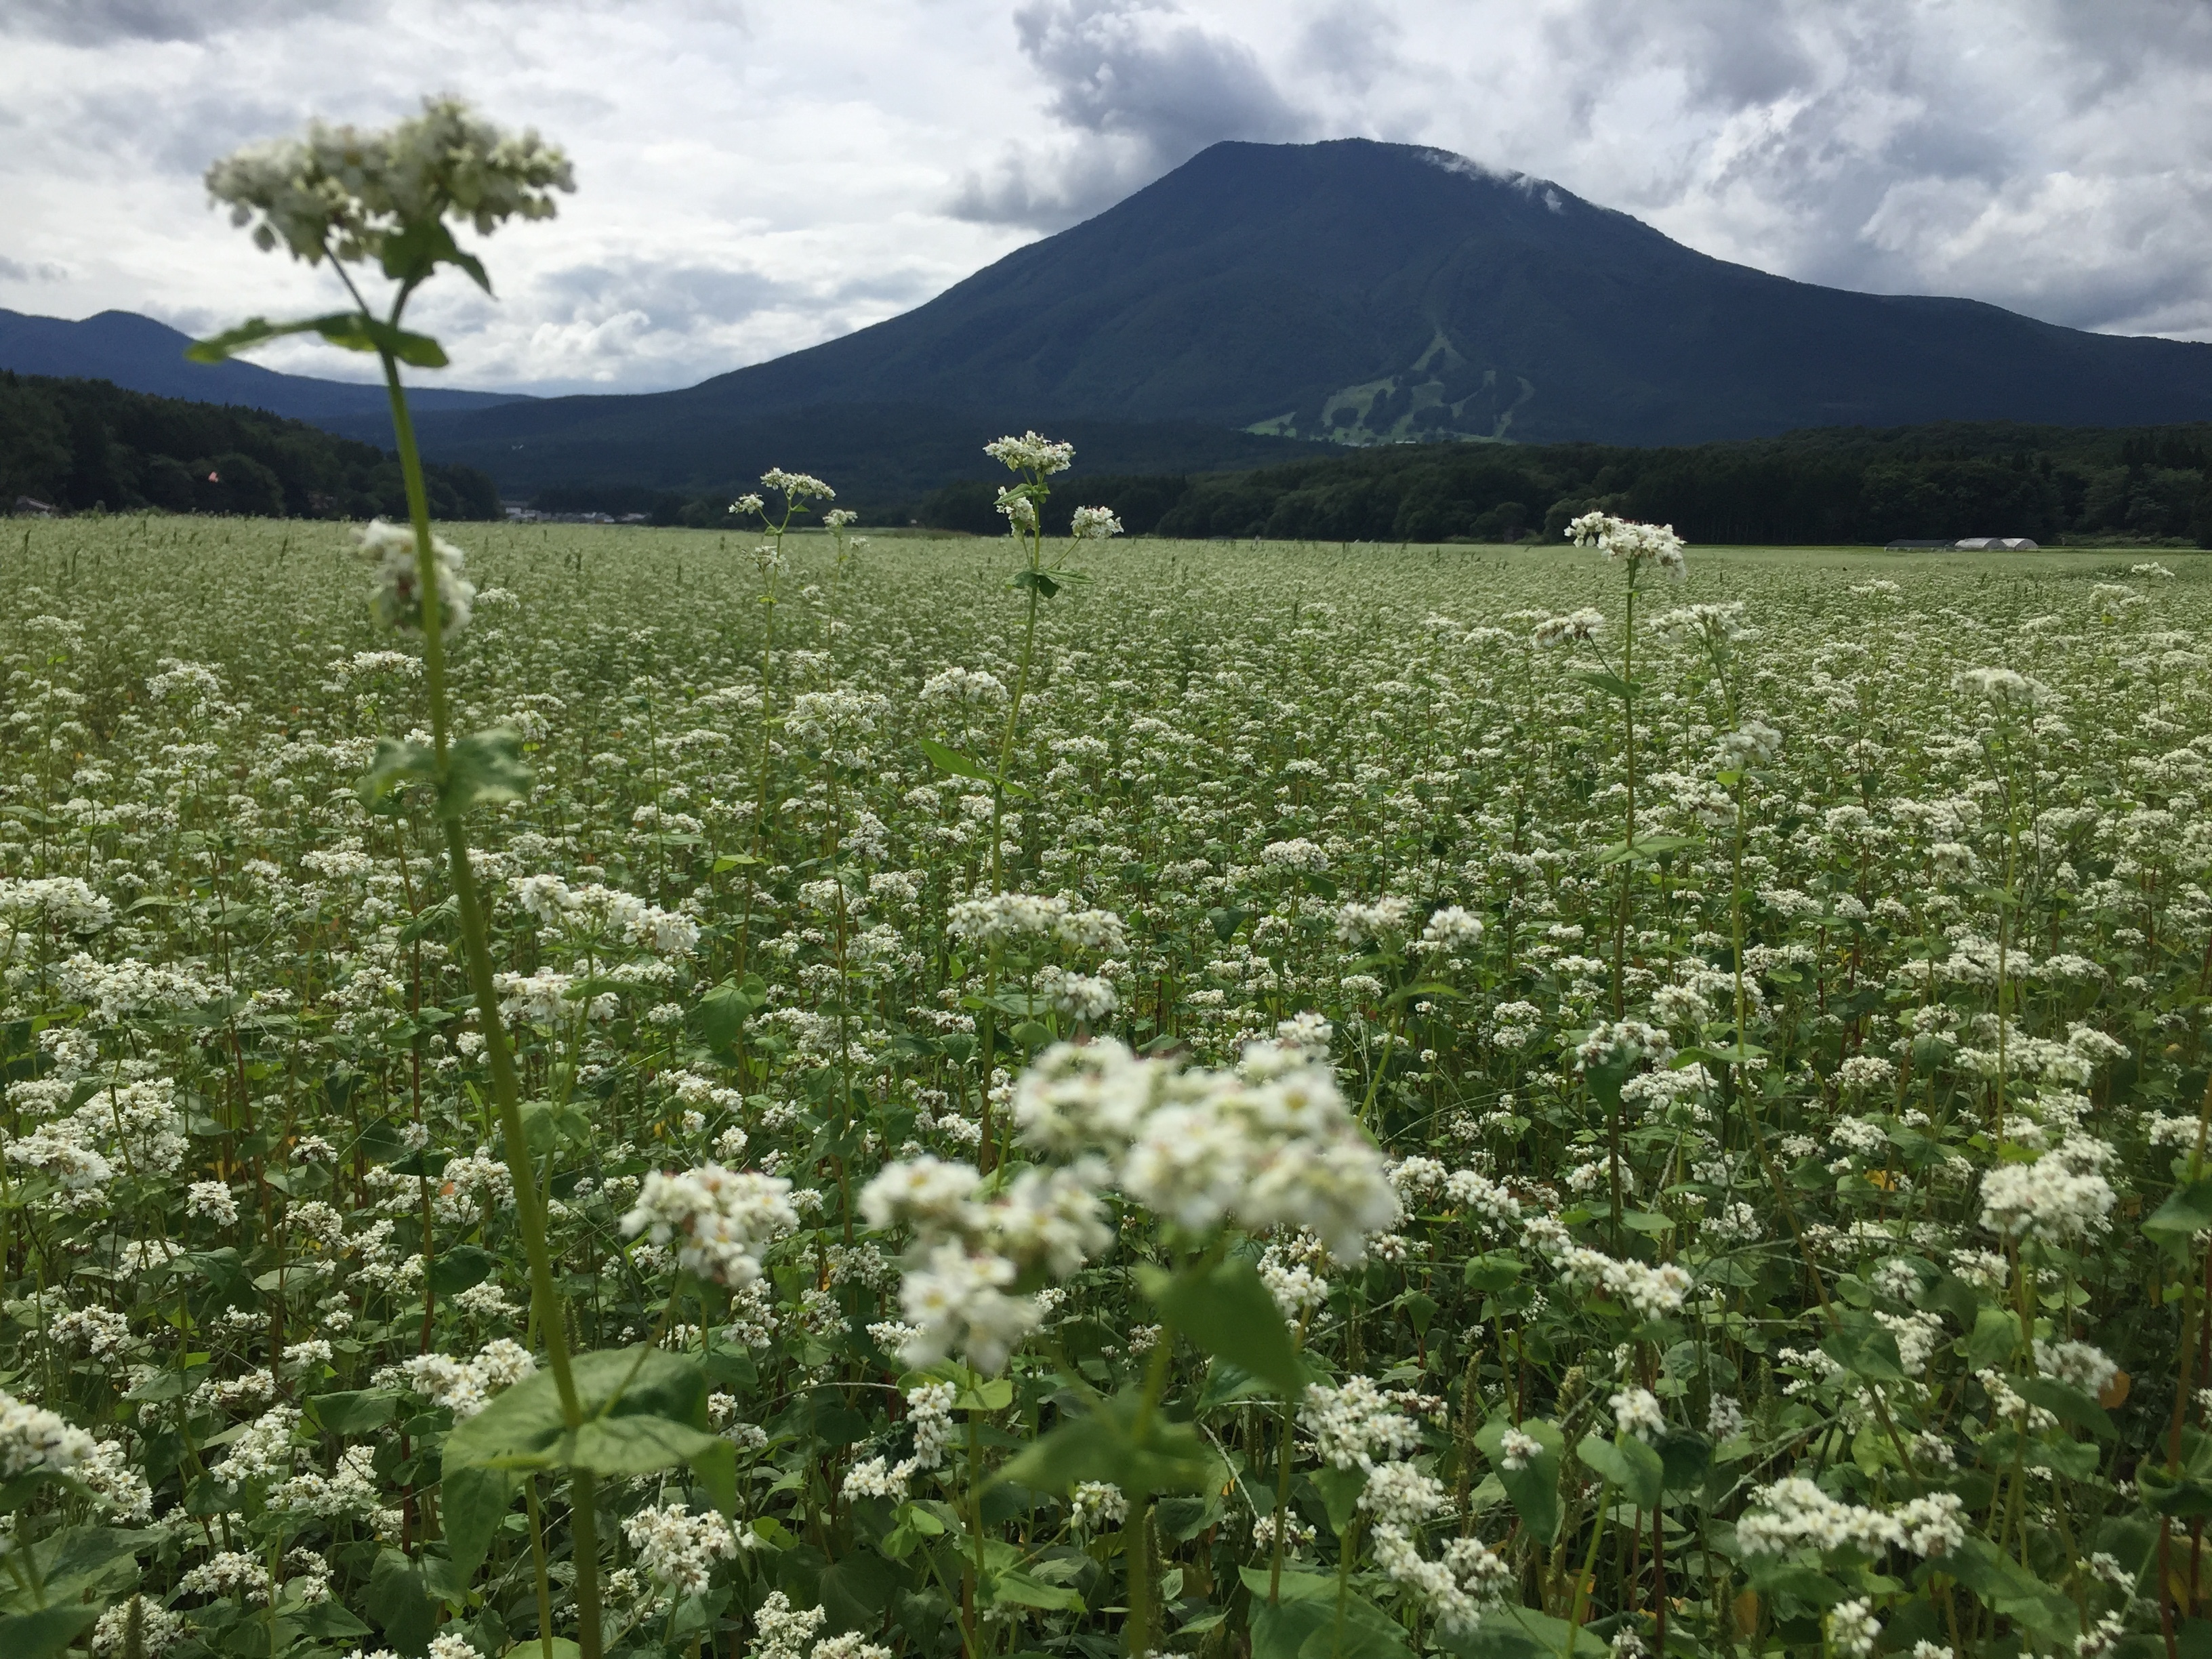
point(1148, 88)
point(44, 271)
point(99, 22)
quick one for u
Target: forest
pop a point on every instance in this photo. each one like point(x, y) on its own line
point(1830, 486)
point(82, 446)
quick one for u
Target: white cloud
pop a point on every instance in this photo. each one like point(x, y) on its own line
point(755, 179)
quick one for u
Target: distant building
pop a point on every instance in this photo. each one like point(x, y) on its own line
point(1971, 544)
point(32, 507)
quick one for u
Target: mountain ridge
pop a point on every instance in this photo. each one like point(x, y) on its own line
point(138, 353)
point(1353, 290)
point(1346, 292)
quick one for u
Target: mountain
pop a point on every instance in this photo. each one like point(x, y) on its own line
point(1361, 292)
point(140, 354)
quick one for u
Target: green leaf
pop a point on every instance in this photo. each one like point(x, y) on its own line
point(1023, 1591)
point(473, 1500)
point(1280, 1629)
point(485, 765)
point(645, 1409)
point(394, 764)
point(353, 1412)
point(1227, 1310)
point(984, 1394)
point(1534, 1488)
point(632, 1445)
point(1312, 1628)
point(2187, 1211)
point(2178, 1496)
point(2011, 1590)
point(1044, 585)
point(1994, 1340)
point(855, 1589)
point(2077, 1460)
point(39, 1635)
point(1861, 1345)
point(78, 1561)
point(1427, 990)
point(1226, 920)
point(352, 329)
point(951, 761)
point(1104, 1445)
point(328, 1622)
point(1611, 684)
point(1512, 1632)
point(1295, 1586)
point(2068, 1404)
point(1630, 1464)
point(1686, 1455)
point(1606, 1076)
point(947, 759)
point(716, 1469)
point(1340, 1491)
point(219, 348)
point(1493, 1273)
point(721, 1014)
point(420, 246)
point(357, 332)
point(400, 1602)
point(1807, 1584)
point(547, 1125)
point(458, 1267)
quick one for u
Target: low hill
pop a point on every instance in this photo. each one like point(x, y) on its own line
point(140, 354)
point(78, 444)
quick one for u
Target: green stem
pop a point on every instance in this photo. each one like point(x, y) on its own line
point(1006, 738)
point(537, 1565)
point(507, 1093)
point(1140, 1549)
point(1589, 1566)
point(975, 1643)
point(1282, 1502)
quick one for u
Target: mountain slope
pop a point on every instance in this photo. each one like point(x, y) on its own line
point(1370, 292)
point(140, 354)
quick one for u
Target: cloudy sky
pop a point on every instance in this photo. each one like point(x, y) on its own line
point(757, 175)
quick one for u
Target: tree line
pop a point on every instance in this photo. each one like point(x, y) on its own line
point(82, 445)
point(1821, 486)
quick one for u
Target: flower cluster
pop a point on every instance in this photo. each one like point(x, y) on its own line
point(1633, 543)
point(346, 194)
point(397, 594)
point(1794, 1513)
point(721, 1219)
point(679, 1548)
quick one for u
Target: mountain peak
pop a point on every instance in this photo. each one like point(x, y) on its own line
point(1353, 292)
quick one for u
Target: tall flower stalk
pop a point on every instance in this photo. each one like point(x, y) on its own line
point(1635, 546)
point(350, 197)
point(1033, 459)
point(796, 490)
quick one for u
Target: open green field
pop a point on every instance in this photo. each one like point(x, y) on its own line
point(1330, 1104)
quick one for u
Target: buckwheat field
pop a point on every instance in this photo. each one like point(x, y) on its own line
point(582, 1092)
